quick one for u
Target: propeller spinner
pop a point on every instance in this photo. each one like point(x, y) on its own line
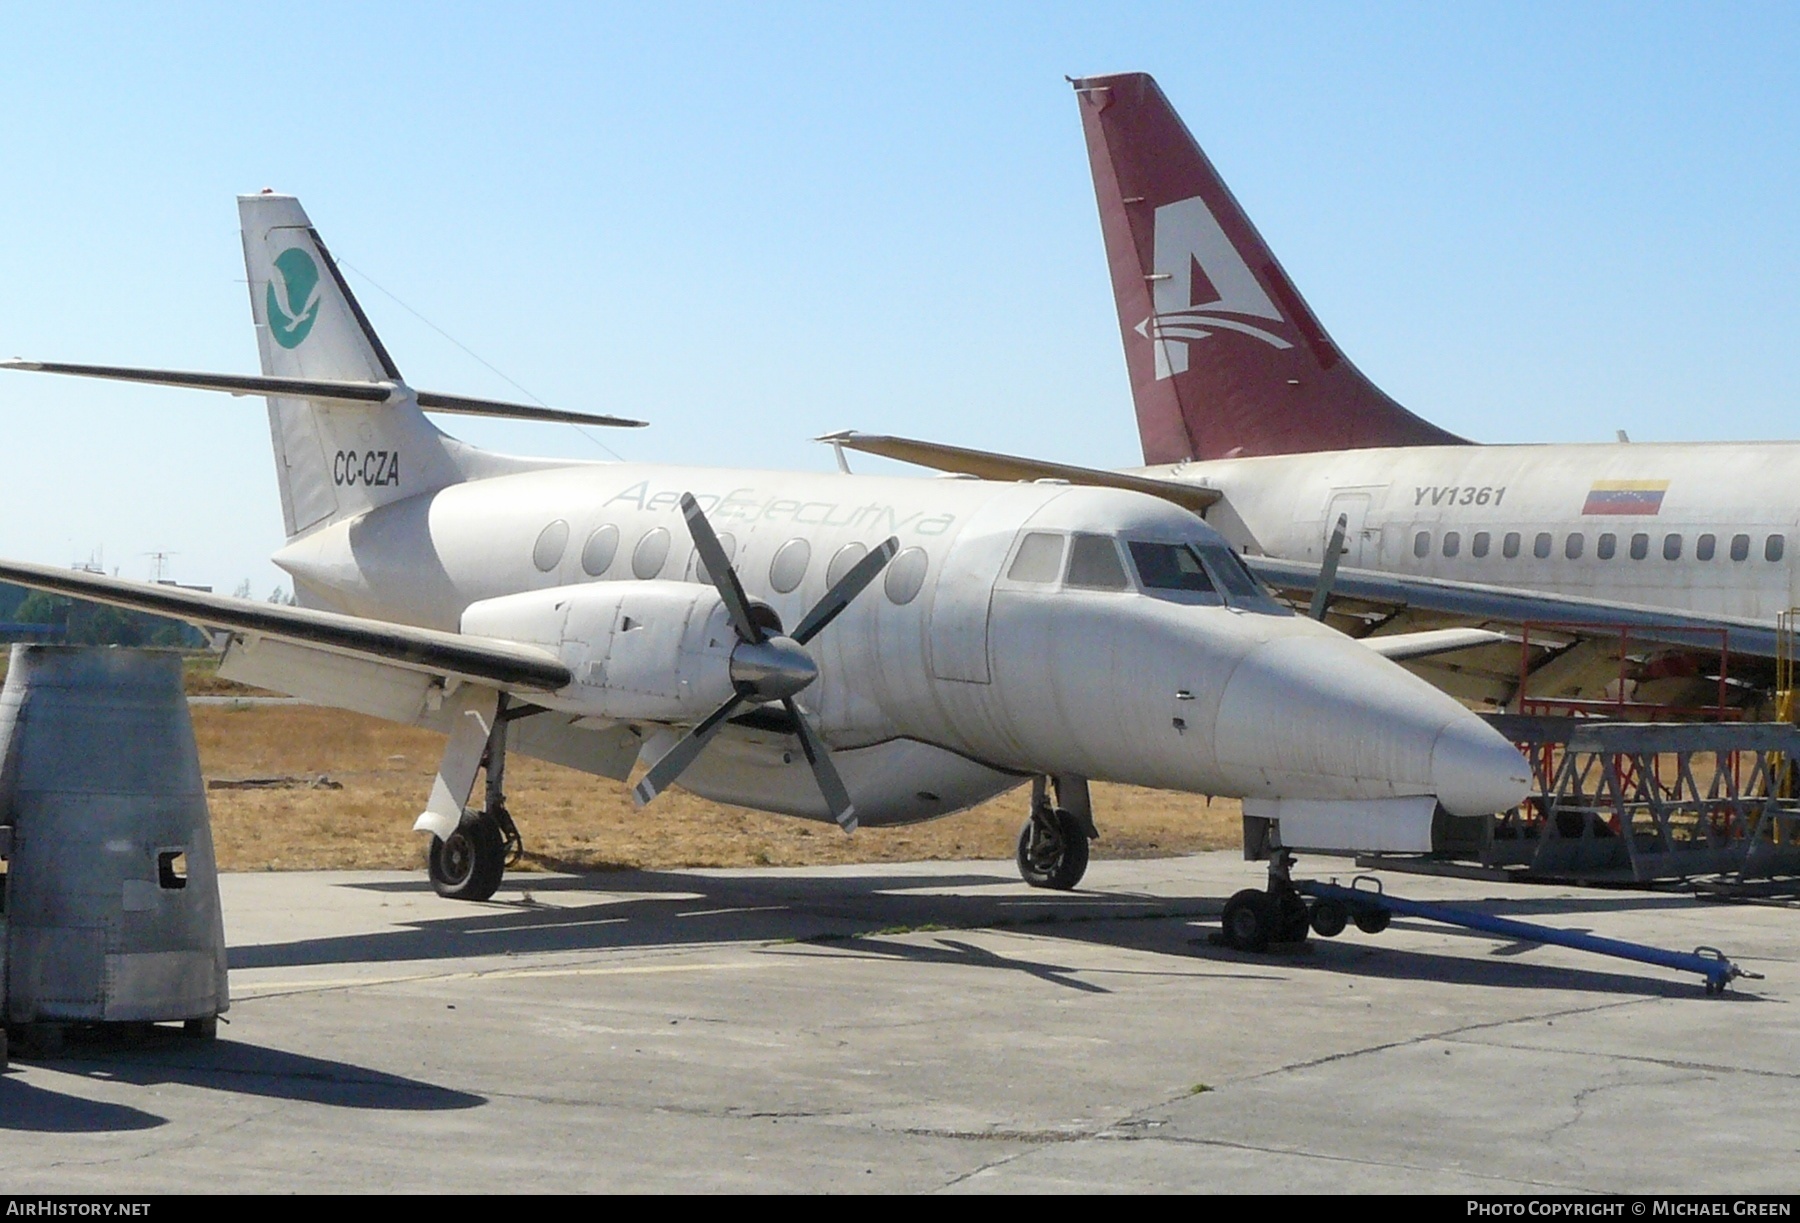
point(767, 667)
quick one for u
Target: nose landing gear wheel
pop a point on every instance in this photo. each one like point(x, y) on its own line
point(1249, 920)
point(1053, 849)
point(470, 864)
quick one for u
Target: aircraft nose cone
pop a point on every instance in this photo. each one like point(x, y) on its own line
point(1475, 771)
point(1313, 715)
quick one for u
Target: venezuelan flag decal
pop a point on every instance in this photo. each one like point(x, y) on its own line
point(1625, 497)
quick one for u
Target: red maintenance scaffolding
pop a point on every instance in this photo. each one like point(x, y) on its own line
point(1621, 706)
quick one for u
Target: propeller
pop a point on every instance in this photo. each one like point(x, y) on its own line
point(767, 666)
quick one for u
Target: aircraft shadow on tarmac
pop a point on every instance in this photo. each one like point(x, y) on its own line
point(143, 1056)
point(637, 909)
point(29, 1108)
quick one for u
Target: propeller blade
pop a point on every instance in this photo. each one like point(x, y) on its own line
point(718, 568)
point(848, 587)
point(1334, 551)
point(819, 756)
point(675, 761)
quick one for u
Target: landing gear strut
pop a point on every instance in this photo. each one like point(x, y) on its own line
point(471, 862)
point(1053, 844)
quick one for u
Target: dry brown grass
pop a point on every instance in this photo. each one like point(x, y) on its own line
point(571, 821)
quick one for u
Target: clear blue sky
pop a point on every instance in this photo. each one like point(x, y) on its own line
point(749, 225)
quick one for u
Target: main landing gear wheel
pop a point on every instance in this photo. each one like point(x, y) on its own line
point(1053, 849)
point(470, 864)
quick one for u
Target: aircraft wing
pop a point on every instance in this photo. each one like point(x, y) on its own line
point(1557, 645)
point(991, 466)
point(504, 664)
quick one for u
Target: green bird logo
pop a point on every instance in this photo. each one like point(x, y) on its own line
point(294, 294)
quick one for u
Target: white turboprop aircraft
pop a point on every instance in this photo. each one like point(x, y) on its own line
point(1249, 413)
point(556, 609)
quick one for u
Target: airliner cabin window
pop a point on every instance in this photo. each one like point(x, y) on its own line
point(1640, 546)
point(1773, 547)
point(1540, 547)
point(1452, 542)
point(1572, 545)
point(1422, 544)
point(1703, 547)
point(1509, 547)
point(1606, 546)
point(1094, 564)
point(1740, 547)
point(1671, 547)
point(1478, 547)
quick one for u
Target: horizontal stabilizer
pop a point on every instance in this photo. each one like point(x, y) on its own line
point(990, 466)
point(505, 664)
point(325, 390)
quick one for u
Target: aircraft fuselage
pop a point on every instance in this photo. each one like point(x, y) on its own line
point(1702, 527)
point(961, 671)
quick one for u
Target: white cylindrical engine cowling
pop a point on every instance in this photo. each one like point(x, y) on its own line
point(656, 651)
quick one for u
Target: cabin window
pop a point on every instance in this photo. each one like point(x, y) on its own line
point(1606, 546)
point(1478, 547)
point(1039, 558)
point(547, 553)
point(1540, 547)
point(906, 576)
point(598, 552)
point(1094, 564)
point(728, 545)
point(846, 557)
point(1422, 544)
point(788, 569)
point(1671, 547)
point(1452, 542)
point(1640, 546)
point(1773, 547)
point(651, 551)
point(1740, 547)
point(1703, 547)
point(1509, 547)
point(1172, 567)
point(1573, 544)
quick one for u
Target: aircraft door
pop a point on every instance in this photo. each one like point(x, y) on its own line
point(1360, 542)
point(965, 591)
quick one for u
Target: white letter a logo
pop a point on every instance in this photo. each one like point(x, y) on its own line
point(1199, 277)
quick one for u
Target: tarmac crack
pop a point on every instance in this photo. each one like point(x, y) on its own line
point(1443, 1034)
point(1361, 1161)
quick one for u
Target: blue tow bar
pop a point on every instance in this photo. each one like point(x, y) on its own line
point(1359, 901)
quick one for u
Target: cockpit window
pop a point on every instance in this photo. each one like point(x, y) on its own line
point(1241, 589)
point(1094, 564)
point(1205, 573)
point(1173, 567)
point(1039, 558)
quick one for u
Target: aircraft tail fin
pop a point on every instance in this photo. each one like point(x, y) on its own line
point(334, 459)
point(1225, 358)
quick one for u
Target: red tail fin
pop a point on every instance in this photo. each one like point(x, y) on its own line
point(1225, 358)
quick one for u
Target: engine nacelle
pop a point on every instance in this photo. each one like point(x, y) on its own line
point(656, 651)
